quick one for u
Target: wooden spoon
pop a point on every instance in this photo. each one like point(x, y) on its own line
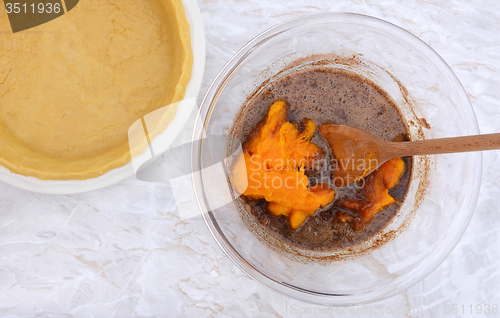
point(357, 152)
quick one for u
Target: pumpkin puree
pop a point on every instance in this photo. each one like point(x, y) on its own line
point(374, 195)
point(273, 168)
point(276, 159)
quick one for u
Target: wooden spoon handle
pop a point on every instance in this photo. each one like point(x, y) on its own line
point(446, 145)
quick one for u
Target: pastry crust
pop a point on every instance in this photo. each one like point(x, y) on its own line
point(71, 88)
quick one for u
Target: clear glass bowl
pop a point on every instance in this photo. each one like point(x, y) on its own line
point(443, 189)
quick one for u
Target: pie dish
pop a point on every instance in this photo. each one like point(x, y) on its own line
point(70, 90)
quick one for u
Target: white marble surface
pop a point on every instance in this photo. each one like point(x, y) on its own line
point(123, 251)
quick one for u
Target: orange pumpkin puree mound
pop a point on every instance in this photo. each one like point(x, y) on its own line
point(374, 195)
point(276, 159)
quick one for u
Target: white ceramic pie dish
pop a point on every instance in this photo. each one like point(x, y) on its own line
point(165, 139)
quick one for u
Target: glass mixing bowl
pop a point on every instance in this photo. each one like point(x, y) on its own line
point(443, 189)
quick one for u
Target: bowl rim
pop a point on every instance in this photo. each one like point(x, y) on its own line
point(122, 173)
point(283, 288)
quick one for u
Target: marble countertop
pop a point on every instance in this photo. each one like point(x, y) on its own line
point(123, 251)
